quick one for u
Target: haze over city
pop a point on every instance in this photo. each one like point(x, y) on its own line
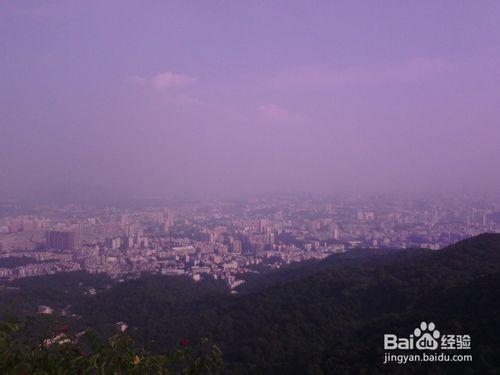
point(200, 98)
point(249, 187)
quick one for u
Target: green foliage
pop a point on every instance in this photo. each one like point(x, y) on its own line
point(328, 315)
point(315, 317)
point(66, 353)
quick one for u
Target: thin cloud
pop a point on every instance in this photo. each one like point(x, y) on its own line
point(320, 76)
point(169, 80)
point(277, 113)
point(162, 81)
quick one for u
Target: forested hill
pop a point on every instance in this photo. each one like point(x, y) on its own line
point(329, 316)
point(322, 317)
point(473, 256)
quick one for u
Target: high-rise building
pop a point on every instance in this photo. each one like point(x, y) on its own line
point(124, 220)
point(236, 246)
point(360, 215)
point(60, 240)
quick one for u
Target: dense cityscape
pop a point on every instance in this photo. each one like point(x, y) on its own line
point(225, 240)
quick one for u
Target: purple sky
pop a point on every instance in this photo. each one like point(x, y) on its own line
point(160, 97)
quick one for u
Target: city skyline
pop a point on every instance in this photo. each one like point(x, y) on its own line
point(227, 239)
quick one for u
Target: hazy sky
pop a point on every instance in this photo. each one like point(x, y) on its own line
point(162, 97)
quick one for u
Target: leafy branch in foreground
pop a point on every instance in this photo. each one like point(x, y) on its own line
point(84, 353)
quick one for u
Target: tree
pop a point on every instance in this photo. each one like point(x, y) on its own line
point(67, 353)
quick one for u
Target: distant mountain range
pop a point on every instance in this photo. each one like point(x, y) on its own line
point(320, 317)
